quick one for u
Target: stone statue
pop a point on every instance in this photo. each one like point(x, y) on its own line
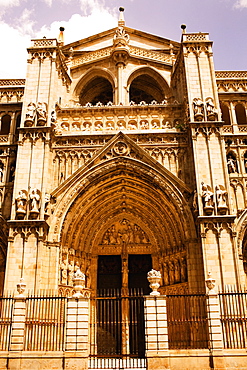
point(64, 275)
point(35, 201)
point(221, 197)
point(231, 164)
point(211, 110)
point(41, 114)
point(207, 197)
point(1, 174)
point(47, 203)
point(21, 204)
point(70, 272)
point(78, 274)
point(30, 114)
point(198, 107)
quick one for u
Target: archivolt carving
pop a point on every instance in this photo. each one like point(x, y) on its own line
point(124, 231)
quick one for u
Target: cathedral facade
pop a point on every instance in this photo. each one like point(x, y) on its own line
point(122, 153)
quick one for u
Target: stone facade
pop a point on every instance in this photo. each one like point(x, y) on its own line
point(123, 144)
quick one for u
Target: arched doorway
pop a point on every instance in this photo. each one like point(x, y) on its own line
point(123, 217)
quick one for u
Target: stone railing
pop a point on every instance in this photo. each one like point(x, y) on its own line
point(231, 74)
point(195, 37)
point(41, 43)
point(111, 119)
point(12, 82)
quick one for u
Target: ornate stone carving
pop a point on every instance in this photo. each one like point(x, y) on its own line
point(231, 164)
point(121, 148)
point(207, 198)
point(21, 204)
point(79, 282)
point(124, 231)
point(210, 283)
point(21, 288)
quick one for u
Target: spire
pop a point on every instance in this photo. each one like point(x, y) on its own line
point(121, 21)
point(61, 36)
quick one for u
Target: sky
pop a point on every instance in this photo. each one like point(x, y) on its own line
point(23, 20)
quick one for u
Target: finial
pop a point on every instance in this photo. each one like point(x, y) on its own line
point(183, 26)
point(61, 35)
point(121, 21)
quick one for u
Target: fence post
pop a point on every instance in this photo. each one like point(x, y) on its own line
point(215, 328)
point(76, 350)
point(157, 352)
point(18, 327)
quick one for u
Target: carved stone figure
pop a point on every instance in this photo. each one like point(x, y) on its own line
point(184, 277)
point(231, 164)
point(221, 197)
point(47, 203)
point(211, 110)
point(207, 197)
point(41, 114)
point(171, 273)
point(1, 174)
point(21, 204)
point(64, 275)
point(70, 272)
point(30, 114)
point(34, 202)
point(198, 107)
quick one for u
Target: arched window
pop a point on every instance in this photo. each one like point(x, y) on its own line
point(99, 89)
point(5, 124)
point(145, 88)
point(240, 114)
point(225, 114)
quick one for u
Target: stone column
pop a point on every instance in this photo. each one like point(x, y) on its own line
point(156, 332)
point(215, 329)
point(76, 355)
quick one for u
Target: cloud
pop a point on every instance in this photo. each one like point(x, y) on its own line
point(9, 3)
point(79, 26)
point(13, 47)
point(241, 4)
point(13, 52)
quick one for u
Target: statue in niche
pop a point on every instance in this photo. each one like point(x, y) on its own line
point(21, 204)
point(41, 114)
point(177, 271)
point(166, 274)
point(207, 197)
point(231, 164)
point(211, 110)
point(1, 172)
point(221, 197)
point(171, 273)
point(198, 108)
point(34, 202)
point(47, 200)
point(64, 276)
point(70, 270)
point(30, 115)
point(53, 117)
point(184, 277)
point(12, 173)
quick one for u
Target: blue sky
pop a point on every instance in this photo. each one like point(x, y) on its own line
point(21, 20)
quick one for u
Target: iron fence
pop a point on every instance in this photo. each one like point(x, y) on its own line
point(117, 335)
point(45, 324)
point(187, 321)
point(233, 309)
point(6, 311)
